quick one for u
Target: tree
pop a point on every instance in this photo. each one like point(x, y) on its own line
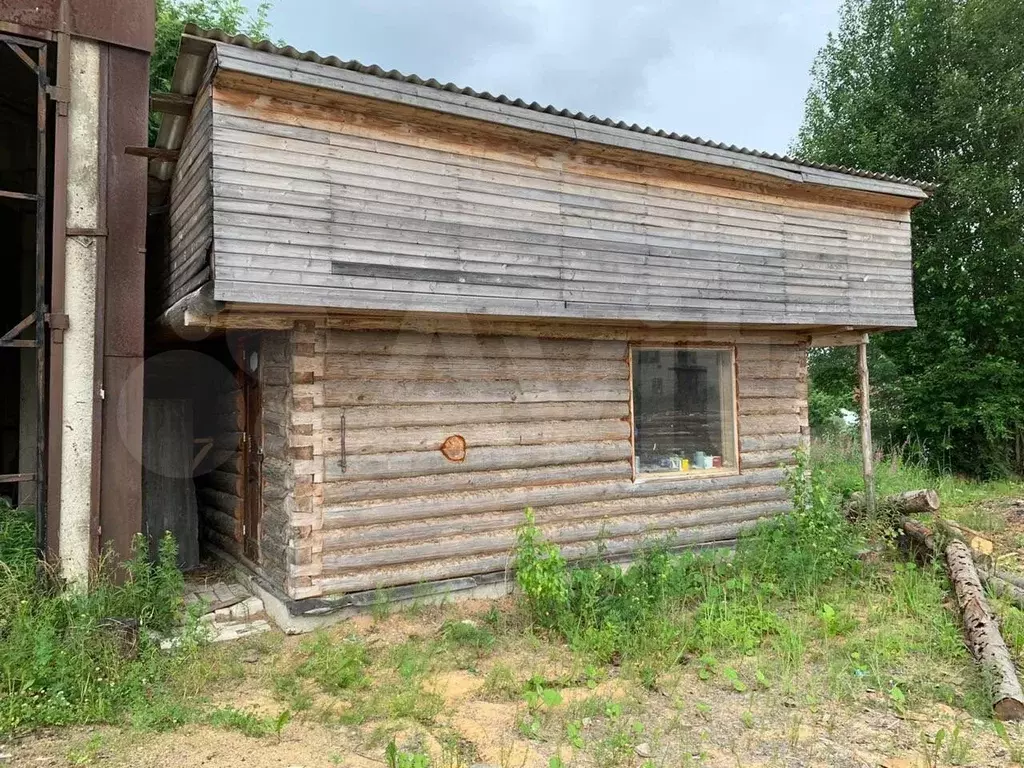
point(231, 16)
point(934, 89)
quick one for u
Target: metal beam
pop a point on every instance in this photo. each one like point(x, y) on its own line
point(11, 194)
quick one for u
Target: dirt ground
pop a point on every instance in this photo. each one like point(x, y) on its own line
point(685, 721)
point(462, 716)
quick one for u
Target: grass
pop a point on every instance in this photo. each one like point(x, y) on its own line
point(71, 656)
point(680, 654)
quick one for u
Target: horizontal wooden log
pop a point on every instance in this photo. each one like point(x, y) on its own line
point(769, 423)
point(771, 388)
point(228, 544)
point(392, 368)
point(363, 417)
point(222, 522)
point(226, 482)
point(467, 546)
point(396, 439)
point(769, 442)
point(650, 491)
point(781, 368)
point(769, 405)
point(410, 464)
point(412, 344)
point(338, 492)
point(755, 459)
point(226, 460)
point(228, 503)
point(344, 393)
point(414, 573)
point(793, 351)
point(477, 520)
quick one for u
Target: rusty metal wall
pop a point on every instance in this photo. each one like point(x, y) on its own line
point(120, 492)
point(108, 21)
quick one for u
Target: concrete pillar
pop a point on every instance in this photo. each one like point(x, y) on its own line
point(80, 395)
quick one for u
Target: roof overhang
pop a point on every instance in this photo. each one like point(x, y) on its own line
point(203, 52)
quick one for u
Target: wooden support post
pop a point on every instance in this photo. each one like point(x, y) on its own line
point(865, 425)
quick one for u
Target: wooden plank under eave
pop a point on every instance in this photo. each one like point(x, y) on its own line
point(171, 103)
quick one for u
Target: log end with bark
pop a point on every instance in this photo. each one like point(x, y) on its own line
point(922, 501)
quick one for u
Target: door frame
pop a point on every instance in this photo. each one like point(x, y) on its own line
point(250, 377)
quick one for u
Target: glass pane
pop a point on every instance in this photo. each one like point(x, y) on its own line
point(683, 410)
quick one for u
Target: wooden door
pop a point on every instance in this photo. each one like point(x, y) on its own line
point(252, 447)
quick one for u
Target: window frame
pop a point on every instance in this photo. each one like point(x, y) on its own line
point(639, 477)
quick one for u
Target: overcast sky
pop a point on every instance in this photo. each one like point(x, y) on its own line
point(735, 72)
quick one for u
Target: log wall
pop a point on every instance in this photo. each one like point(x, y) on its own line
point(546, 424)
point(219, 484)
point(279, 488)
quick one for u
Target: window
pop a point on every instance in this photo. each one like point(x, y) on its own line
point(684, 416)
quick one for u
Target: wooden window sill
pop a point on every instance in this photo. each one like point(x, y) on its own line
point(690, 474)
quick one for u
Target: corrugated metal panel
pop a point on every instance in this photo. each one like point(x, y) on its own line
point(355, 66)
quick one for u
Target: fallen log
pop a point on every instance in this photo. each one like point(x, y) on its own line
point(980, 626)
point(920, 537)
point(1003, 589)
point(980, 546)
point(1010, 578)
point(982, 632)
point(920, 501)
point(911, 502)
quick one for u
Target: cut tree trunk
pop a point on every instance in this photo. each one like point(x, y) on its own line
point(920, 538)
point(982, 633)
point(911, 502)
point(906, 503)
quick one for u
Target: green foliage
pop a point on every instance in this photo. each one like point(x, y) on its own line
point(70, 656)
point(468, 635)
point(334, 665)
point(932, 89)
point(812, 545)
point(397, 758)
point(541, 573)
point(231, 16)
point(665, 605)
point(248, 722)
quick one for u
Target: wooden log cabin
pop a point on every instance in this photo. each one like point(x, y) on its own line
point(442, 307)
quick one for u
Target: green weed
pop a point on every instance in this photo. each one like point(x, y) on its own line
point(335, 665)
point(397, 758)
point(75, 656)
point(248, 722)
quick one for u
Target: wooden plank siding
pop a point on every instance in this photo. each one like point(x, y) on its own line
point(341, 207)
point(547, 425)
point(191, 209)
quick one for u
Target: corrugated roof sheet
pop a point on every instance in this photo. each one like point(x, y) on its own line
point(291, 52)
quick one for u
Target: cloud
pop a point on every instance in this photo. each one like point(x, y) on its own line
point(730, 71)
